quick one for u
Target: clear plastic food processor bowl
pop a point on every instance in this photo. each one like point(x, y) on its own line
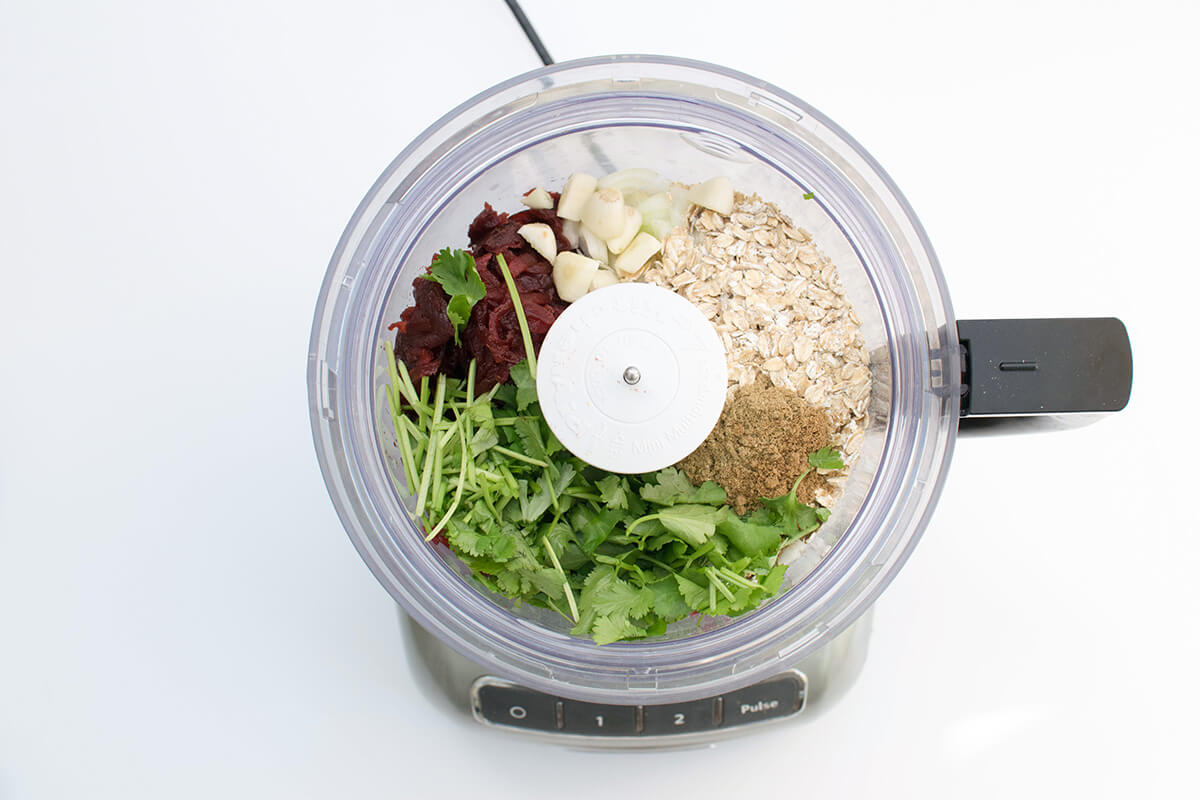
point(688, 121)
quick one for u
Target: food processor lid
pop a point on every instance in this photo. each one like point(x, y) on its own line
point(631, 378)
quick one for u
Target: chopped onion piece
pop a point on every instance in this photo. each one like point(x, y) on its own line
point(628, 180)
point(591, 245)
point(571, 229)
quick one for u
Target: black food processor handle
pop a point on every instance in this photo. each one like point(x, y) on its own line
point(1018, 367)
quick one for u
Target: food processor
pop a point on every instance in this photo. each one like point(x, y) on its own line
point(517, 668)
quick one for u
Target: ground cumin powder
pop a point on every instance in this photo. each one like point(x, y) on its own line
point(761, 445)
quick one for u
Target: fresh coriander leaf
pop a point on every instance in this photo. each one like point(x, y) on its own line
point(748, 537)
point(548, 581)
point(614, 491)
point(529, 431)
point(553, 445)
point(826, 458)
point(773, 580)
point(822, 514)
point(609, 629)
point(671, 486)
point(532, 510)
point(609, 595)
point(695, 595)
point(593, 527)
point(573, 557)
point(668, 602)
point(787, 514)
point(694, 524)
point(526, 385)
point(455, 271)
point(808, 195)
point(656, 626)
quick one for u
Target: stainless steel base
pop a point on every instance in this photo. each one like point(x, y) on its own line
point(448, 680)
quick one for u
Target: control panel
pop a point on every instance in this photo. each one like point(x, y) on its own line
point(499, 702)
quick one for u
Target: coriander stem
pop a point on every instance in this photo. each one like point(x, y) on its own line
point(733, 577)
point(579, 495)
point(520, 309)
point(406, 453)
point(434, 436)
point(462, 469)
point(405, 384)
point(504, 451)
point(629, 528)
point(715, 580)
point(566, 584)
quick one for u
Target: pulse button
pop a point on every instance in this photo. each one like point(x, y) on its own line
point(774, 698)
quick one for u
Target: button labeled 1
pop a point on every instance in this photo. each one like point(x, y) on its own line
point(599, 720)
point(699, 715)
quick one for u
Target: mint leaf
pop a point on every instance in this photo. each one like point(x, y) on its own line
point(826, 458)
point(672, 486)
point(455, 271)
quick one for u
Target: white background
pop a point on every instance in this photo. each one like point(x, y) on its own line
point(181, 614)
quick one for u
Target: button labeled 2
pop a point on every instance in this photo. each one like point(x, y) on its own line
point(699, 715)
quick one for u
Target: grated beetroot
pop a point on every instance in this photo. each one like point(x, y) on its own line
point(424, 334)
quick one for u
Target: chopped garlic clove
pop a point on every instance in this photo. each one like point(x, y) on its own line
point(604, 277)
point(537, 198)
point(633, 222)
point(541, 238)
point(634, 257)
point(575, 193)
point(715, 194)
point(604, 213)
point(573, 275)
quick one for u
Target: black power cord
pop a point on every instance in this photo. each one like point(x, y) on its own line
point(530, 33)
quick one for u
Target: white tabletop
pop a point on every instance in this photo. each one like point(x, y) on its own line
point(181, 614)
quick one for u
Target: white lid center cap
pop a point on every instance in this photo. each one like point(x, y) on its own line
point(631, 378)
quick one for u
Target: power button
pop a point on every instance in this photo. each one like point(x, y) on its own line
point(517, 707)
